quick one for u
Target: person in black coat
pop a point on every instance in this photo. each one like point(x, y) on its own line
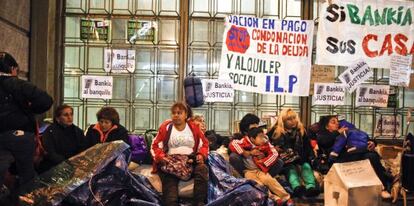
point(330, 130)
point(107, 129)
point(19, 102)
point(62, 139)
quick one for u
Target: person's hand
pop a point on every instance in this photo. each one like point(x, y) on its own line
point(199, 159)
point(256, 152)
point(278, 149)
point(371, 146)
point(261, 155)
point(246, 154)
point(342, 130)
point(315, 150)
point(260, 161)
point(164, 160)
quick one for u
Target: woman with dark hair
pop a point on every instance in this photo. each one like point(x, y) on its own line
point(62, 139)
point(330, 130)
point(107, 129)
point(180, 136)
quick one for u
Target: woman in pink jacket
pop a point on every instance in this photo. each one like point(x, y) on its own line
point(181, 136)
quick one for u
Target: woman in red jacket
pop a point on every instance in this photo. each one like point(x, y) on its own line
point(181, 136)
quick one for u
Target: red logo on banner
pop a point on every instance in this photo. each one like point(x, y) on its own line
point(238, 39)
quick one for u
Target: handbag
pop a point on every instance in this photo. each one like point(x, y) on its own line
point(178, 166)
point(289, 156)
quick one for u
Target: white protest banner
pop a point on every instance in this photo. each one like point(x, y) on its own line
point(119, 60)
point(400, 70)
point(267, 56)
point(388, 125)
point(369, 29)
point(99, 87)
point(329, 94)
point(216, 90)
point(372, 95)
point(355, 75)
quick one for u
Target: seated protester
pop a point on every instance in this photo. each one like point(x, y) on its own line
point(107, 129)
point(259, 155)
point(180, 136)
point(62, 139)
point(248, 122)
point(288, 135)
point(326, 138)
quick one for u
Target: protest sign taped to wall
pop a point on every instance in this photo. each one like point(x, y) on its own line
point(119, 60)
point(372, 95)
point(217, 90)
point(355, 75)
point(388, 126)
point(329, 94)
point(95, 29)
point(321, 74)
point(267, 56)
point(371, 29)
point(99, 87)
point(400, 70)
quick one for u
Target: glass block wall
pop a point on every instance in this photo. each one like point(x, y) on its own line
point(143, 98)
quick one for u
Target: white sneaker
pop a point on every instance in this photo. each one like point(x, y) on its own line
point(385, 194)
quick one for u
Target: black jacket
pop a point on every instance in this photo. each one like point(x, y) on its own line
point(293, 140)
point(19, 102)
point(93, 135)
point(61, 143)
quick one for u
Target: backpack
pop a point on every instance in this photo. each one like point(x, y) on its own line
point(139, 149)
point(193, 91)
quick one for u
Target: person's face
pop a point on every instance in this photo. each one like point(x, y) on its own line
point(259, 140)
point(201, 123)
point(66, 117)
point(290, 122)
point(105, 124)
point(178, 116)
point(333, 125)
point(15, 71)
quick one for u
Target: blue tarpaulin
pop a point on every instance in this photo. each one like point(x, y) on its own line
point(225, 189)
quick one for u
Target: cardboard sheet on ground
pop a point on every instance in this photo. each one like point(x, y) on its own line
point(352, 184)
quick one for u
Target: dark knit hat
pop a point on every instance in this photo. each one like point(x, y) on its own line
point(7, 62)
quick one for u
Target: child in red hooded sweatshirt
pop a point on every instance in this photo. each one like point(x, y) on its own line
point(259, 155)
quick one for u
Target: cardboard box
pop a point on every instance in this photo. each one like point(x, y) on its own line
point(352, 184)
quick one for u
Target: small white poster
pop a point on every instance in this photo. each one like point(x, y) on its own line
point(329, 94)
point(355, 75)
point(388, 125)
point(119, 60)
point(400, 70)
point(217, 90)
point(372, 95)
point(99, 87)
